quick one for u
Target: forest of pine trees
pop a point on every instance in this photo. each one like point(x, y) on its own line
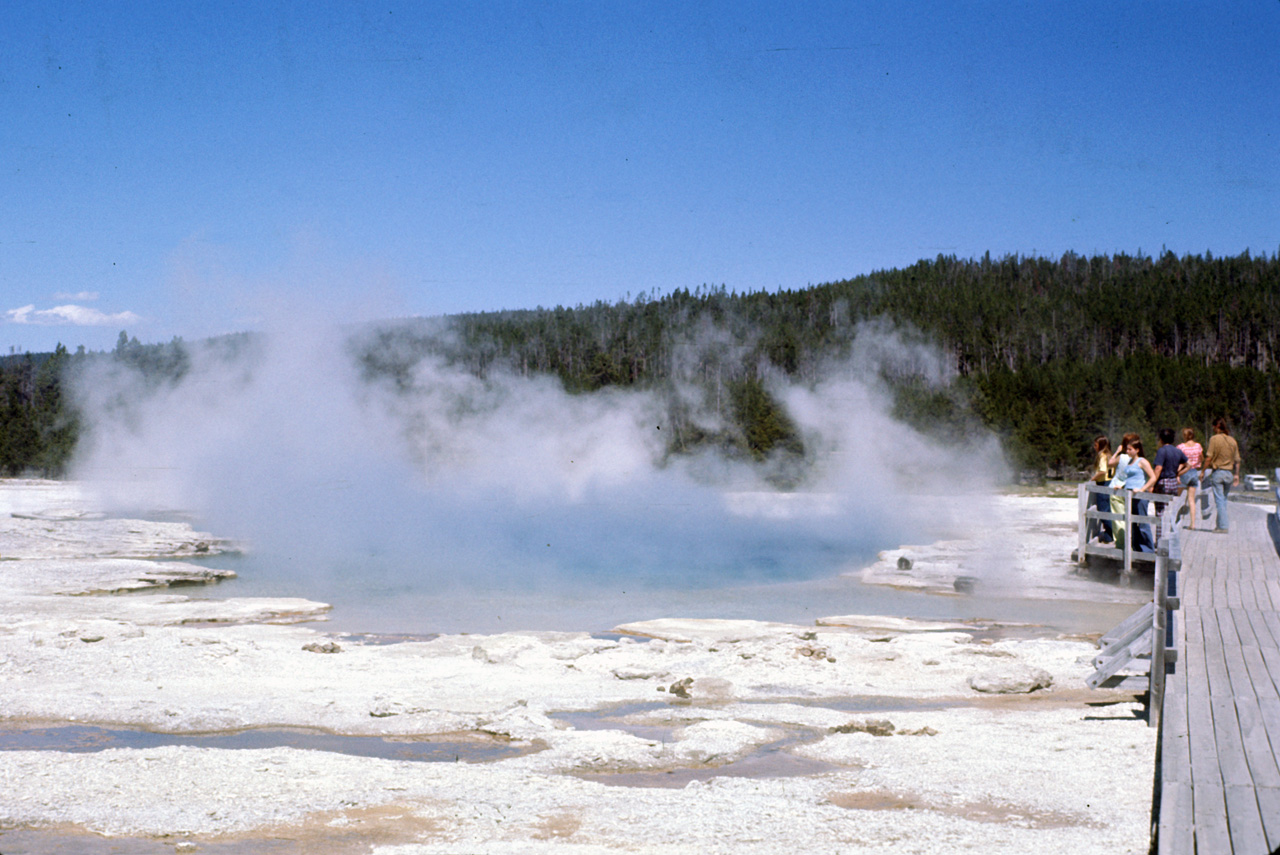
point(38, 428)
point(1046, 353)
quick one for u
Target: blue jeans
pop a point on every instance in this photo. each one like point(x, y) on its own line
point(1220, 482)
point(1140, 540)
point(1101, 528)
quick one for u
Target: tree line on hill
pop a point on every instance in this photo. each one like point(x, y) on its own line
point(38, 426)
point(1046, 353)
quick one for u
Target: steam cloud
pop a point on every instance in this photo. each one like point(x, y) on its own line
point(458, 482)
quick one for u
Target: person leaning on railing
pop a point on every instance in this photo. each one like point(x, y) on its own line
point(1220, 470)
point(1118, 461)
point(1102, 474)
point(1133, 472)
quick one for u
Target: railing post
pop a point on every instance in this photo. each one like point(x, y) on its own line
point(1155, 690)
point(1165, 600)
point(1083, 492)
point(1127, 573)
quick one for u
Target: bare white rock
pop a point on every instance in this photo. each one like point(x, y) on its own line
point(1014, 680)
point(989, 774)
point(101, 575)
point(25, 537)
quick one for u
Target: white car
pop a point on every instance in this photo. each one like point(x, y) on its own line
point(1256, 482)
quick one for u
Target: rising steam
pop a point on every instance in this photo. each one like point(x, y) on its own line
point(461, 481)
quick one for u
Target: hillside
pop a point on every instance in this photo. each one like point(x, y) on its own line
point(1045, 353)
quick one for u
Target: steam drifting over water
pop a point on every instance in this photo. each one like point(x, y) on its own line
point(447, 482)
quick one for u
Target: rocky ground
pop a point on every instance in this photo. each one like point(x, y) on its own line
point(132, 716)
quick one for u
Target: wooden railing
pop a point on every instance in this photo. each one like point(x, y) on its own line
point(1144, 640)
point(1123, 552)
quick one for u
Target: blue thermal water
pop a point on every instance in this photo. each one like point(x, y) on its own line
point(381, 595)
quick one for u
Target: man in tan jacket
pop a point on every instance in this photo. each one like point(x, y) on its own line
point(1220, 471)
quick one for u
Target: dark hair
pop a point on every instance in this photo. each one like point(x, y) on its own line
point(1136, 445)
point(1221, 424)
point(1188, 435)
point(1127, 438)
point(1166, 435)
point(1102, 444)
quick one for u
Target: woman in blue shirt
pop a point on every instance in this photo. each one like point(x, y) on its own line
point(1133, 472)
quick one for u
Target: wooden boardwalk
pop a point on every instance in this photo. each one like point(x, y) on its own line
point(1218, 775)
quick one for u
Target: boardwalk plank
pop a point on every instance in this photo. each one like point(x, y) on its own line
point(1209, 815)
point(1262, 596)
point(1263, 685)
point(1269, 709)
point(1218, 595)
point(1220, 684)
point(1176, 835)
point(1187, 589)
point(1248, 594)
point(1233, 656)
point(1233, 591)
point(1261, 631)
point(1195, 675)
point(1209, 807)
point(1272, 620)
point(1261, 760)
point(1190, 587)
point(1269, 807)
point(1271, 659)
point(1243, 627)
point(1247, 834)
point(1230, 743)
point(1175, 744)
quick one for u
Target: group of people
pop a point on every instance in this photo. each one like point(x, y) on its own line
point(1187, 466)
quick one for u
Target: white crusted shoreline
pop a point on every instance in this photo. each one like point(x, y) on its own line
point(772, 729)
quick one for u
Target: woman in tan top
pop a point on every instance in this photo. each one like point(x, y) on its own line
point(1220, 470)
point(1102, 474)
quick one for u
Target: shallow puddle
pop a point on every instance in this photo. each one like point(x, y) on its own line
point(769, 761)
point(615, 718)
point(362, 829)
point(772, 760)
point(372, 639)
point(76, 842)
point(87, 738)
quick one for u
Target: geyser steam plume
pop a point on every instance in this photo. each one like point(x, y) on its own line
point(463, 482)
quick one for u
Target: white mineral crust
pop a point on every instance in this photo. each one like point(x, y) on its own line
point(685, 736)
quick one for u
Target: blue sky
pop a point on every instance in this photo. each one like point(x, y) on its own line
point(194, 169)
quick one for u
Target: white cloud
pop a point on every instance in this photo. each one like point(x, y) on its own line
point(81, 296)
point(69, 315)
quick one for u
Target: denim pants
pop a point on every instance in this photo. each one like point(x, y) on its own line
point(1220, 482)
point(1140, 540)
point(1100, 528)
point(1140, 534)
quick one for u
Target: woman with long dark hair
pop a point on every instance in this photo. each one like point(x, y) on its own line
point(1132, 473)
point(1101, 476)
